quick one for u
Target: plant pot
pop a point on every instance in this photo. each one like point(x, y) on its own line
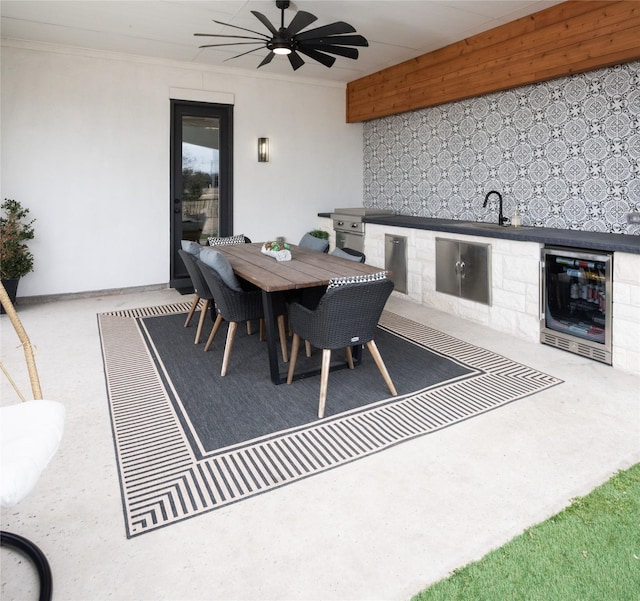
point(11, 286)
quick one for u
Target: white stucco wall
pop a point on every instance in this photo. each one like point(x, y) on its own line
point(85, 146)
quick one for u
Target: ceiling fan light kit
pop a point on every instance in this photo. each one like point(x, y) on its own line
point(318, 44)
point(280, 47)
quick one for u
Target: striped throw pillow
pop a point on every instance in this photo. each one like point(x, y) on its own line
point(356, 279)
point(213, 241)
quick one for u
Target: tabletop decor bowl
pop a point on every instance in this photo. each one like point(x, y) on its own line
point(279, 251)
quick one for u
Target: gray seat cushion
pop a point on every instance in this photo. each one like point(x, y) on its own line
point(193, 248)
point(216, 260)
point(309, 241)
point(338, 252)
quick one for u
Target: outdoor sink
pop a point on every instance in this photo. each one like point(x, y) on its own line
point(494, 226)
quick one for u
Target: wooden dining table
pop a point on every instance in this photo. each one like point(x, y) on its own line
point(306, 269)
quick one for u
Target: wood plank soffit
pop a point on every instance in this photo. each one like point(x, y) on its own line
point(572, 37)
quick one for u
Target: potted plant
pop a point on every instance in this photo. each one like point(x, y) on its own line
point(16, 259)
point(319, 234)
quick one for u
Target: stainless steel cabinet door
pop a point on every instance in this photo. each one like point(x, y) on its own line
point(395, 260)
point(475, 272)
point(464, 269)
point(447, 257)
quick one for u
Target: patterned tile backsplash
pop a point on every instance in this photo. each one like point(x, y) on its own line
point(565, 153)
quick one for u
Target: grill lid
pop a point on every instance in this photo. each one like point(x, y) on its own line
point(355, 213)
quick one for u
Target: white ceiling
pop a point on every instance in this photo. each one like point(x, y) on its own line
point(397, 30)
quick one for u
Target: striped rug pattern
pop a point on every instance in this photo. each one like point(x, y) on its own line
point(164, 482)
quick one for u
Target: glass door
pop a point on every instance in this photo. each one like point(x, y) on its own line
point(577, 302)
point(201, 177)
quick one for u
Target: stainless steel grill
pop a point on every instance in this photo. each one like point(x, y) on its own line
point(349, 227)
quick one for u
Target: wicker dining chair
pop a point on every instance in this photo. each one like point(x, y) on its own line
point(201, 289)
point(347, 314)
point(235, 306)
point(233, 239)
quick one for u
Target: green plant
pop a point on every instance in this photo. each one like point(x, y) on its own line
point(16, 259)
point(319, 234)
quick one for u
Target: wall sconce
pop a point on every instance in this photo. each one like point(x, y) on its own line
point(263, 150)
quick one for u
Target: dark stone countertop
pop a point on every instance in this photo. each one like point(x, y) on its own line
point(544, 235)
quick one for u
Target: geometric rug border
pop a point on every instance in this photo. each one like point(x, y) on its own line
point(162, 480)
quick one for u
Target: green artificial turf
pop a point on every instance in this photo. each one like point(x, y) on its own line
point(590, 551)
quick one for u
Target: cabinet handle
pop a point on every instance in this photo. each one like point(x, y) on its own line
point(541, 291)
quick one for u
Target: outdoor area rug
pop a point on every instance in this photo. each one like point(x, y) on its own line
point(188, 441)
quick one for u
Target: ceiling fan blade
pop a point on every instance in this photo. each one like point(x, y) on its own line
point(240, 37)
point(239, 55)
point(337, 28)
point(325, 59)
point(264, 21)
point(339, 50)
point(301, 20)
point(267, 59)
point(337, 40)
point(233, 44)
point(238, 27)
point(296, 60)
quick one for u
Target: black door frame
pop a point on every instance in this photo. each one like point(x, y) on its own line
point(179, 278)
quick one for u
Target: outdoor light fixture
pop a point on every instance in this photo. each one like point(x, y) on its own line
point(263, 150)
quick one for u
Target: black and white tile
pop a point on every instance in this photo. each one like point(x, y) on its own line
point(565, 152)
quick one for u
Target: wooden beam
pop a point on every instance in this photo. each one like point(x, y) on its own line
point(568, 38)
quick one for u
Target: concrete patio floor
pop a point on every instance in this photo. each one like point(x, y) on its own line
point(382, 528)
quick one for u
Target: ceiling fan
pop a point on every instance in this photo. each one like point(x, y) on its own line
point(318, 43)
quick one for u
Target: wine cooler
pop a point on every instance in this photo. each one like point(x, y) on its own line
point(576, 301)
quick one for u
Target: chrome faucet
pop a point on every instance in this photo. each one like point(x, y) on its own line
point(502, 220)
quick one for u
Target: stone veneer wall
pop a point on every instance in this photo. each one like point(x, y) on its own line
point(565, 152)
point(626, 312)
point(515, 281)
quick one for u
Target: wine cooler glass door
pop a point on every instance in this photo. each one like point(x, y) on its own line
point(577, 302)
